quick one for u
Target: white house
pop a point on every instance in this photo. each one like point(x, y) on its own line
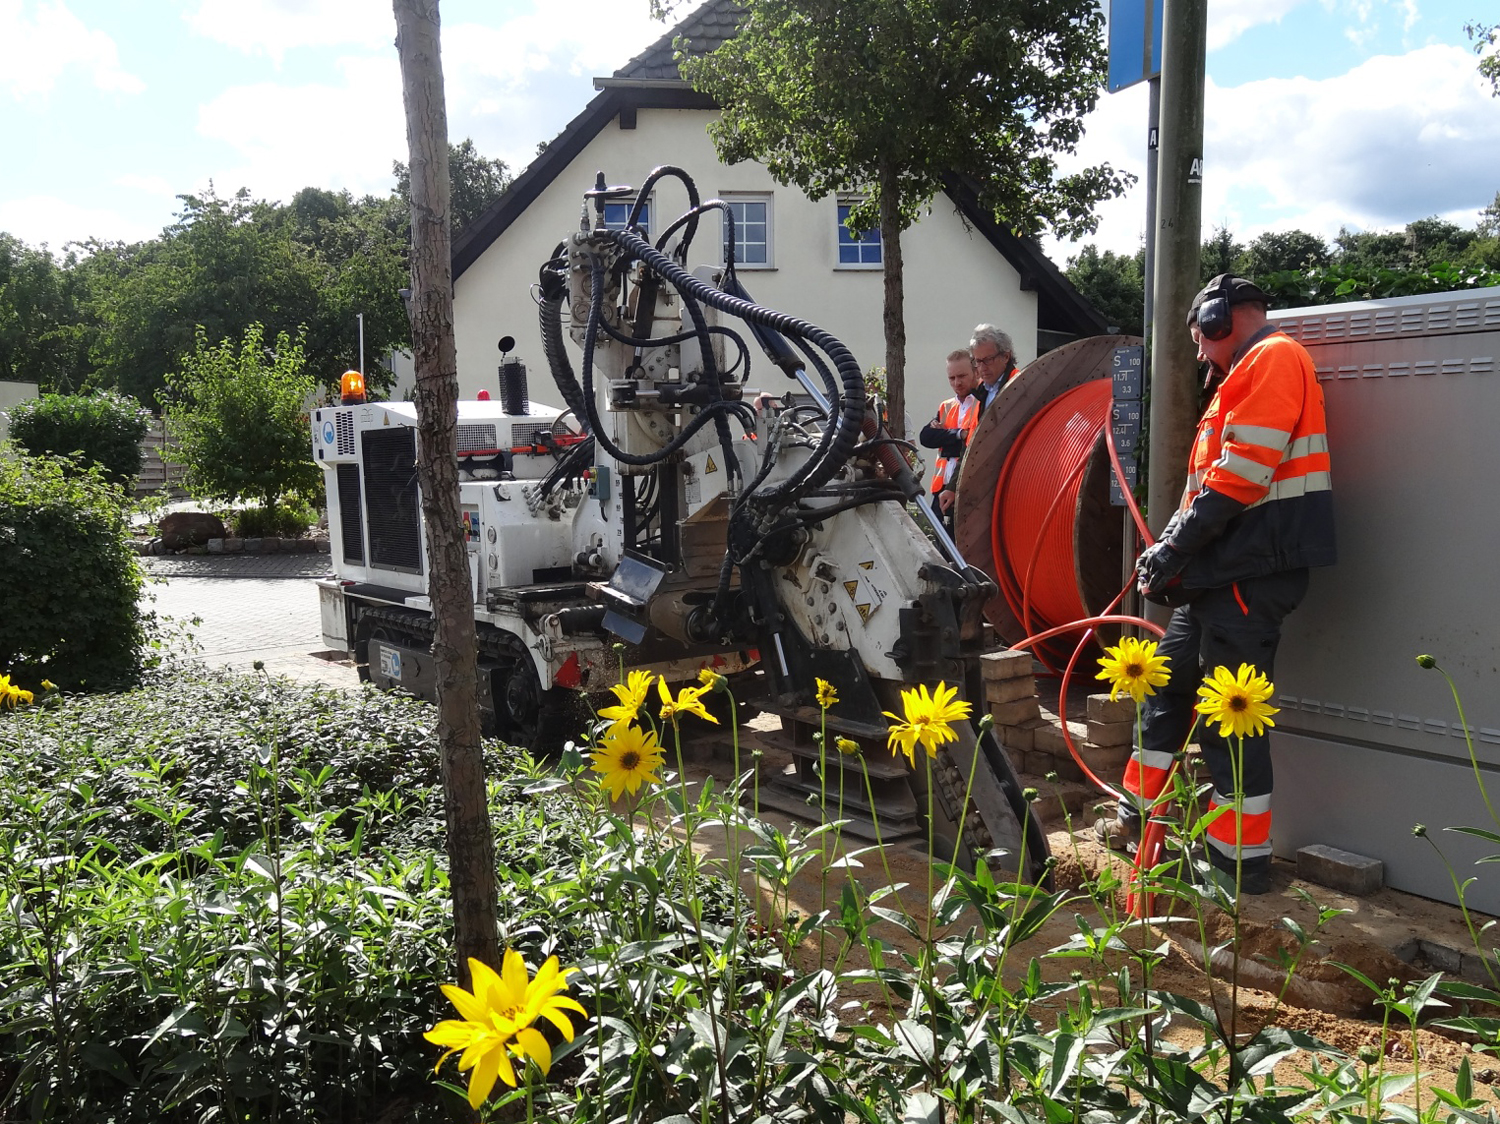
point(794, 254)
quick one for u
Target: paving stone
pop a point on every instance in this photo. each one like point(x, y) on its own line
point(1341, 870)
point(270, 545)
point(233, 546)
point(1014, 713)
point(1019, 738)
point(1105, 761)
point(1005, 665)
point(999, 691)
point(1111, 733)
point(216, 546)
point(1101, 708)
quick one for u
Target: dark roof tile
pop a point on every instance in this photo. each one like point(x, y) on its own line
point(705, 29)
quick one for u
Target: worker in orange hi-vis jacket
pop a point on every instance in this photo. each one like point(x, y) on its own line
point(1256, 514)
point(949, 432)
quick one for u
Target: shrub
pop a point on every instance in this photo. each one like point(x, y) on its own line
point(99, 429)
point(239, 419)
point(72, 582)
point(289, 520)
point(240, 917)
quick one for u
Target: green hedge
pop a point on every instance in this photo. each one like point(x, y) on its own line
point(103, 429)
point(72, 581)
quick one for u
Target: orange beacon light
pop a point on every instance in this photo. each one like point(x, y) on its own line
point(352, 388)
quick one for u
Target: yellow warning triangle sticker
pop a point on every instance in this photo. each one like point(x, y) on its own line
point(711, 467)
point(870, 565)
point(864, 612)
point(850, 588)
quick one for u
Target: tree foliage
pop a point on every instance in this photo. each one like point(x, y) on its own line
point(45, 327)
point(102, 430)
point(115, 315)
point(475, 182)
point(1430, 255)
point(1486, 40)
point(238, 418)
point(894, 98)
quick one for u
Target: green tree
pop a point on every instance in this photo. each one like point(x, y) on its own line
point(239, 419)
point(1486, 37)
point(1284, 249)
point(44, 326)
point(1220, 254)
point(1114, 284)
point(894, 98)
point(475, 181)
point(227, 263)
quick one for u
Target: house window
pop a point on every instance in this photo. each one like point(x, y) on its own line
point(752, 231)
point(857, 250)
point(618, 211)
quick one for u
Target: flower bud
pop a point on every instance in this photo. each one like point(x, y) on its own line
point(1419, 830)
point(1426, 661)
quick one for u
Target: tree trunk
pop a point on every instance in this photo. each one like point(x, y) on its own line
point(895, 300)
point(471, 847)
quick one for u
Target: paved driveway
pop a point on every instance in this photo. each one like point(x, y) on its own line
point(250, 607)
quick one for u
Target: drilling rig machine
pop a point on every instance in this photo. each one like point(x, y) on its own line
point(663, 512)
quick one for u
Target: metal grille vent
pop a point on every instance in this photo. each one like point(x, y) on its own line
point(351, 525)
point(392, 506)
point(475, 439)
point(526, 434)
point(343, 421)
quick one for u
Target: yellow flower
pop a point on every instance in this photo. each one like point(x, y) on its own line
point(626, 758)
point(10, 694)
point(847, 745)
point(1133, 668)
point(497, 1021)
point(827, 696)
point(689, 700)
point(1237, 702)
point(632, 696)
point(928, 720)
point(48, 685)
point(712, 679)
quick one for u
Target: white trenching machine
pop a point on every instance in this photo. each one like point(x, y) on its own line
point(663, 511)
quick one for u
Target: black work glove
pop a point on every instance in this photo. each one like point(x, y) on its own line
point(1156, 573)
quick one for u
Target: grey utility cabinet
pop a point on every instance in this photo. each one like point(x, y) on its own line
point(1368, 744)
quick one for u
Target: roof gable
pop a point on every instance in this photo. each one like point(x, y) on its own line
point(706, 30)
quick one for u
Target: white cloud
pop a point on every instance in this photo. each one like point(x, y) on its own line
point(148, 185)
point(41, 47)
point(272, 27)
point(333, 136)
point(47, 220)
point(1229, 19)
point(517, 83)
point(1395, 139)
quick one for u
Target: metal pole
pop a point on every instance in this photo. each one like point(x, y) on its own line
point(1174, 365)
point(1153, 133)
point(361, 316)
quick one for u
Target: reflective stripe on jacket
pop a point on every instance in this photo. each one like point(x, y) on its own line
point(962, 416)
point(1259, 496)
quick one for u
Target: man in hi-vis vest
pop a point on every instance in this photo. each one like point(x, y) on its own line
point(949, 433)
point(1256, 513)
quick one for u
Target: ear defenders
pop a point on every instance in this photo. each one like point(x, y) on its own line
point(1214, 319)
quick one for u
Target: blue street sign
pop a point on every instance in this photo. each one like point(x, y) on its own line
point(1134, 42)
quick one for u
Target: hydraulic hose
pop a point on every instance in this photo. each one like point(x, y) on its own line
point(818, 470)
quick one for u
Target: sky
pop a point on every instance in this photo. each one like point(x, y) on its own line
point(1321, 114)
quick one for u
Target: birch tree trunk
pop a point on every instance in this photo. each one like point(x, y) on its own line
point(471, 847)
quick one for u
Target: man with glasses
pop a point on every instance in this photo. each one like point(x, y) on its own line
point(994, 360)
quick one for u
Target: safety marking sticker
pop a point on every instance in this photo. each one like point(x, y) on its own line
point(387, 420)
point(866, 597)
point(870, 565)
point(710, 466)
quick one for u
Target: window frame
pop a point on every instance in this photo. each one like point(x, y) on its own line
point(742, 197)
point(650, 209)
point(841, 207)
